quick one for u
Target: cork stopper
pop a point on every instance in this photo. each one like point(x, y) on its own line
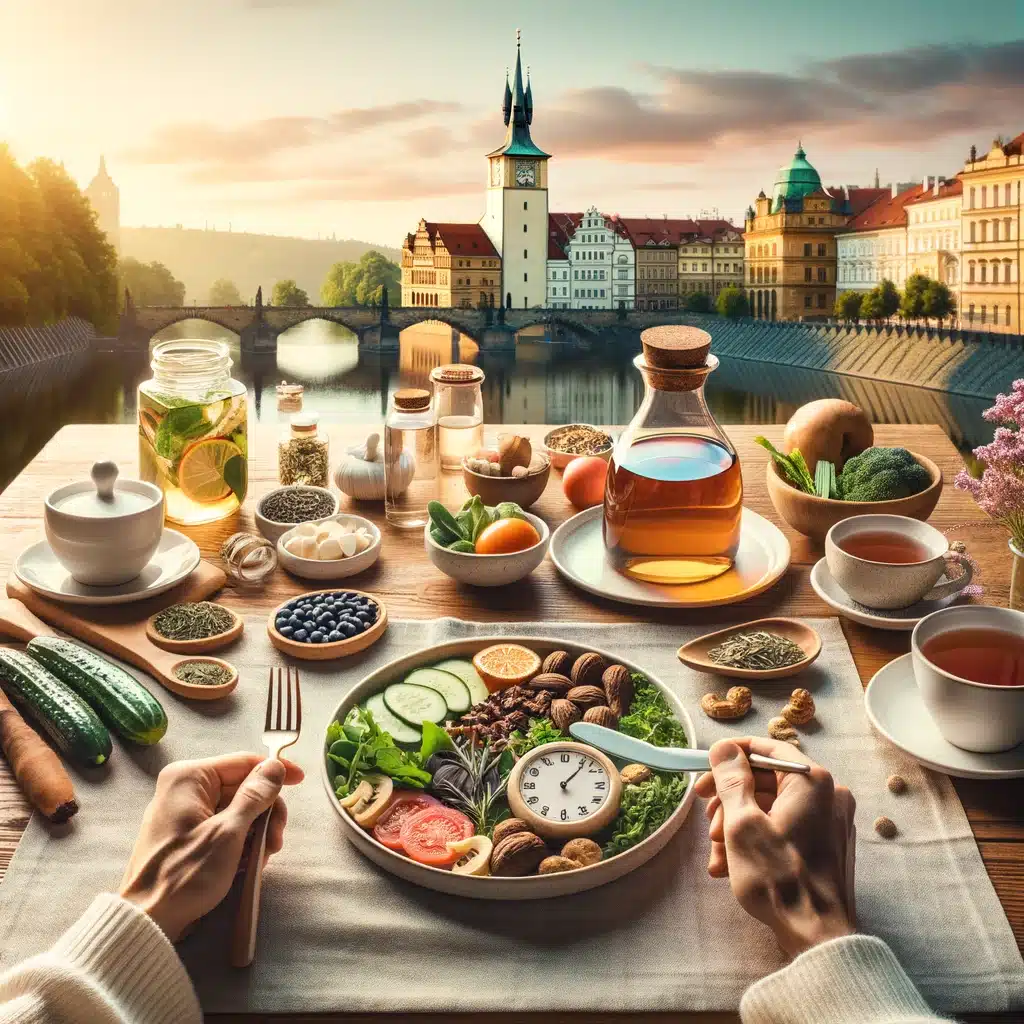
point(412, 399)
point(456, 373)
point(676, 347)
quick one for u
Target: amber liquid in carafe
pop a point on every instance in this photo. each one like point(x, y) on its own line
point(672, 509)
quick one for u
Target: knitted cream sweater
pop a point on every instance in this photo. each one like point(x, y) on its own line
point(114, 966)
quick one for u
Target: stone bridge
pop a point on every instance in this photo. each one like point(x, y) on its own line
point(258, 326)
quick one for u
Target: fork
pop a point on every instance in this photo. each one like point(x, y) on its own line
point(280, 730)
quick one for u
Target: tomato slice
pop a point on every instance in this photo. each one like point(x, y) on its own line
point(403, 804)
point(425, 835)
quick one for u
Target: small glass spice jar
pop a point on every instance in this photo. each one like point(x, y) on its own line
point(459, 404)
point(303, 452)
point(410, 459)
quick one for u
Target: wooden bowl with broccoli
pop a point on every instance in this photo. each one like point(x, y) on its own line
point(812, 492)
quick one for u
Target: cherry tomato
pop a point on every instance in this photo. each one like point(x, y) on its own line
point(425, 835)
point(403, 804)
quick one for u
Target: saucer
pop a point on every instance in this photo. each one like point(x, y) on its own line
point(907, 618)
point(578, 551)
point(895, 709)
point(175, 557)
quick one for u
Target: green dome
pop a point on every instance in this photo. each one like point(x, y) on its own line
point(795, 180)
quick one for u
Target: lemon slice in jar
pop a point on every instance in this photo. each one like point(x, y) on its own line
point(201, 470)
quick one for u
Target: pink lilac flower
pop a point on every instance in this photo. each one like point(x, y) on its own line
point(1008, 408)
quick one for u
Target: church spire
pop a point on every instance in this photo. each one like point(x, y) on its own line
point(517, 110)
point(518, 94)
point(529, 97)
point(506, 103)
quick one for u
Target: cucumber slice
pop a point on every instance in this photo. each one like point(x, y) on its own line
point(464, 670)
point(415, 704)
point(454, 691)
point(401, 732)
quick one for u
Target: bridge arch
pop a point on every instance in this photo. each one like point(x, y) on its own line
point(349, 323)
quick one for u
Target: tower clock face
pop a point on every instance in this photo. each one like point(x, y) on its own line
point(526, 173)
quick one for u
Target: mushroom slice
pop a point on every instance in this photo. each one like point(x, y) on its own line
point(474, 856)
point(366, 815)
point(358, 797)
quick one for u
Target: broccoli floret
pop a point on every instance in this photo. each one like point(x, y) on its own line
point(882, 474)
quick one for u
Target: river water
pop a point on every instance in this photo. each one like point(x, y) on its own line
point(546, 380)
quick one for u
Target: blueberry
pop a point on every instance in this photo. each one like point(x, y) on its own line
point(348, 629)
point(329, 599)
point(363, 617)
point(334, 636)
point(309, 625)
point(322, 620)
point(294, 621)
point(285, 630)
point(281, 620)
point(316, 637)
point(359, 627)
point(301, 635)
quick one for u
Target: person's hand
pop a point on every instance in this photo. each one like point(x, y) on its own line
point(194, 830)
point(785, 841)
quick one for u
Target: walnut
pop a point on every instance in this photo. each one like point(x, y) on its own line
point(587, 670)
point(564, 713)
point(540, 707)
point(601, 715)
point(516, 720)
point(518, 854)
point(553, 681)
point(618, 687)
point(583, 851)
point(897, 784)
point(557, 661)
point(780, 729)
point(800, 709)
point(886, 828)
point(586, 696)
point(735, 704)
point(508, 827)
point(553, 865)
point(634, 774)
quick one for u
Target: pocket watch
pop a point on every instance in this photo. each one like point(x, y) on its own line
point(565, 790)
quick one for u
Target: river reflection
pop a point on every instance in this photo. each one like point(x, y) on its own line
point(548, 379)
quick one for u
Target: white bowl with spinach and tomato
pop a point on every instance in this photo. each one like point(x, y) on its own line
point(415, 750)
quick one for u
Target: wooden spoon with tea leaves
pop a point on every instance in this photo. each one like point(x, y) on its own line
point(772, 645)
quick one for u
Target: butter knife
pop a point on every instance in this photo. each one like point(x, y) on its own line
point(667, 759)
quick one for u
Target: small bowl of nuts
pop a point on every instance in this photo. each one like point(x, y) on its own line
point(511, 472)
point(563, 444)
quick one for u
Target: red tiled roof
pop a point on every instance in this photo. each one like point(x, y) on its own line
point(561, 226)
point(862, 198)
point(951, 188)
point(463, 239)
point(656, 230)
point(1015, 147)
point(886, 213)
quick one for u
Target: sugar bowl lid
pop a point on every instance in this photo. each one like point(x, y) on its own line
point(99, 498)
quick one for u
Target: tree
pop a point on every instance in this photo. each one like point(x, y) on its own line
point(938, 301)
point(288, 293)
point(888, 298)
point(151, 284)
point(912, 305)
point(848, 305)
point(732, 302)
point(360, 284)
point(698, 302)
point(871, 306)
point(224, 293)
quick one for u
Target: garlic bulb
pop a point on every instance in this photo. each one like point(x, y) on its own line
point(360, 474)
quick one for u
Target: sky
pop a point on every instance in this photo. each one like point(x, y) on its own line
point(321, 117)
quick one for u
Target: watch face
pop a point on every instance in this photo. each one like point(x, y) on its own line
point(564, 786)
point(526, 173)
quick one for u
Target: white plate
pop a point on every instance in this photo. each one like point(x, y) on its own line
point(907, 618)
point(175, 557)
point(578, 551)
point(894, 707)
point(532, 887)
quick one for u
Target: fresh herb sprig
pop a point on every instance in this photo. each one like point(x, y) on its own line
point(650, 718)
point(539, 732)
point(473, 778)
point(793, 466)
point(644, 809)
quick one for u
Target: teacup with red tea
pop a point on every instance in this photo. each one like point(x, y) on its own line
point(969, 667)
point(889, 562)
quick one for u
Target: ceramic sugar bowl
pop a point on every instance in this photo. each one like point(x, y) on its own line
point(104, 531)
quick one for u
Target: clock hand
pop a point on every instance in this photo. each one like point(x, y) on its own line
point(565, 785)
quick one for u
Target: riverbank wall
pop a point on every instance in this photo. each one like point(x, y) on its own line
point(25, 346)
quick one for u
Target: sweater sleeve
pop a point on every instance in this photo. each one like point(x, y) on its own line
point(853, 980)
point(113, 966)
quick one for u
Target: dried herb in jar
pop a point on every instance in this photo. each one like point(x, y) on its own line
point(580, 441)
point(193, 621)
point(759, 649)
point(202, 673)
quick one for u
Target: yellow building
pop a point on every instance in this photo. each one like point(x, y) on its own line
point(710, 259)
point(933, 232)
point(450, 265)
point(791, 242)
point(990, 296)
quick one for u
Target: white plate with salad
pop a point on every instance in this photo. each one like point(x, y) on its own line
point(420, 756)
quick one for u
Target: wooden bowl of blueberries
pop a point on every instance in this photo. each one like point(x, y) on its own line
point(324, 624)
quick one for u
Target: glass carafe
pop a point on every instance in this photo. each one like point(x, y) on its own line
point(674, 495)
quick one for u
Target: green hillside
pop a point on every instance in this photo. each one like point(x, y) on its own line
point(198, 258)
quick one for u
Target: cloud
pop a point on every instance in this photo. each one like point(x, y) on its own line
point(387, 187)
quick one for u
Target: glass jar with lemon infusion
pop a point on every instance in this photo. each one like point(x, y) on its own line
point(193, 440)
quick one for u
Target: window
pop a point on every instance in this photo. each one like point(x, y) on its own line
point(995, 231)
point(575, 275)
point(984, 203)
point(602, 293)
point(704, 268)
point(1007, 310)
point(822, 275)
point(807, 273)
point(693, 267)
point(524, 277)
point(524, 254)
point(821, 248)
point(774, 274)
point(972, 228)
point(970, 273)
point(773, 248)
point(807, 248)
point(807, 302)
point(821, 301)
point(995, 314)
point(983, 269)
point(524, 229)
point(970, 311)
point(970, 206)
point(983, 308)
point(526, 206)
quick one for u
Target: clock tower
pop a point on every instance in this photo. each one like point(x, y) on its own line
point(516, 220)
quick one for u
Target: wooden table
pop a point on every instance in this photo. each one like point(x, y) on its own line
point(413, 588)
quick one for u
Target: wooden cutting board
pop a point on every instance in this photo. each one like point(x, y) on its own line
point(119, 630)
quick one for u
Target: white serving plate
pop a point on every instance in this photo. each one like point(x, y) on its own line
point(532, 887)
point(894, 707)
point(834, 596)
point(335, 568)
point(578, 551)
point(175, 558)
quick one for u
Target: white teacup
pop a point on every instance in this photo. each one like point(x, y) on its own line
point(891, 584)
point(103, 534)
point(974, 716)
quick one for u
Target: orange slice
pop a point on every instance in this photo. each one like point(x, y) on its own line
point(506, 665)
point(201, 470)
